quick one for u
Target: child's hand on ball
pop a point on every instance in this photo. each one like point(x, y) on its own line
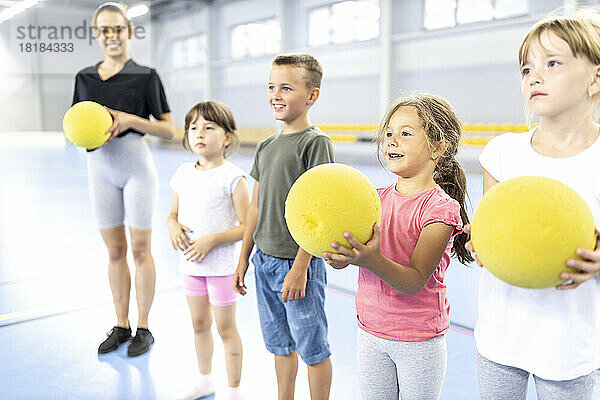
point(334, 264)
point(363, 255)
point(588, 266)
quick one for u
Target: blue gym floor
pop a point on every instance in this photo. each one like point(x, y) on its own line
point(56, 305)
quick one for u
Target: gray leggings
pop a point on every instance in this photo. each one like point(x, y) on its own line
point(390, 369)
point(123, 183)
point(501, 382)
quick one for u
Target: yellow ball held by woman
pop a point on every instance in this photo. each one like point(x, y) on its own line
point(327, 201)
point(526, 228)
point(85, 124)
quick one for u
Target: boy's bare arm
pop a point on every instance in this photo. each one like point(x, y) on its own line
point(247, 243)
point(294, 284)
point(250, 226)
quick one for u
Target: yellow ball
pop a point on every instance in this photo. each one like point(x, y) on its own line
point(85, 124)
point(327, 201)
point(526, 228)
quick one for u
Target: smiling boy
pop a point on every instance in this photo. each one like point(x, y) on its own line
point(290, 284)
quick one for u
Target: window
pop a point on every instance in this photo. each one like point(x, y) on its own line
point(510, 8)
point(347, 21)
point(256, 39)
point(474, 10)
point(440, 13)
point(448, 13)
point(189, 51)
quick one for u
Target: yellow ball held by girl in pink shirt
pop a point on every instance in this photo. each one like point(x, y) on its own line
point(85, 124)
point(328, 200)
point(526, 228)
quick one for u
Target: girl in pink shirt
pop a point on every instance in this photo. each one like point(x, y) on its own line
point(401, 300)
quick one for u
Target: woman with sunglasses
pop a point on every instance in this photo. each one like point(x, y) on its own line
point(122, 177)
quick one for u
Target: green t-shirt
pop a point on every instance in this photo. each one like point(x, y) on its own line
point(278, 161)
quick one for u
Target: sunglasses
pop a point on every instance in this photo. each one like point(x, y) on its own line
point(109, 30)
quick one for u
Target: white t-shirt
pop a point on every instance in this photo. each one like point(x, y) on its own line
point(206, 207)
point(551, 333)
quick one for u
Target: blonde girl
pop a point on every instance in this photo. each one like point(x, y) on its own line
point(552, 334)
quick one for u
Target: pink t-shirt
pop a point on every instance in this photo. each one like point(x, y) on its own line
point(384, 311)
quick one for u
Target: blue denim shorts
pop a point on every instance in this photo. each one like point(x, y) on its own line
point(298, 325)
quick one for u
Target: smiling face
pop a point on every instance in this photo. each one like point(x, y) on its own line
point(288, 94)
point(112, 33)
point(554, 80)
point(405, 147)
point(207, 139)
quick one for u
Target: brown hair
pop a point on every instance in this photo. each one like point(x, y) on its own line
point(581, 31)
point(314, 72)
point(216, 112)
point(113, 7)
point(441, 126)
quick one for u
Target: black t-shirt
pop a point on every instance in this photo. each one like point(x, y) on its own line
point(135, 90)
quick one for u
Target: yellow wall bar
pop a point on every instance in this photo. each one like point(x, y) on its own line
point(366, 132)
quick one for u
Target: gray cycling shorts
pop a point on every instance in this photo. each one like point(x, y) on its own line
point(123, 183)
point(394, 369)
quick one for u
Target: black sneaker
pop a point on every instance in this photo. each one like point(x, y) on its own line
point(116, 337)
point(140, 343)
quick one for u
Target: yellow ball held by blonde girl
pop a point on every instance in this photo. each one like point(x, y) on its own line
point(328, 200)
point(85, 124)
point(526, 228)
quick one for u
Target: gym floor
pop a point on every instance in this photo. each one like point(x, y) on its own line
point(56, 305)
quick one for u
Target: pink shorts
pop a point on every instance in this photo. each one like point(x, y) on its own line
point(218, 288)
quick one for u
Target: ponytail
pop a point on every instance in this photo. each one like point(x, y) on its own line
point(450, 176)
